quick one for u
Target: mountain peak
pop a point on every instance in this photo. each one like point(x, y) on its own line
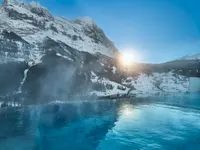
point(15, 6)
point(12, 2)
point(86, 20)
point(36, 4)
point(36, 8)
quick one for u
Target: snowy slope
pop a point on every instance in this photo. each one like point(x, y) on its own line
point(144, 85)
point(111, 88)
point(157, 83)
point(34, 23)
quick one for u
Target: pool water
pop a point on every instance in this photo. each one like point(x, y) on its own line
point(156, 123)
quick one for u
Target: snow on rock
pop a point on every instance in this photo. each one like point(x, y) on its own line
point(114, 70)
point(144, 85)
point(157, 83)
point(36, 8)
point(112, 88)
point(10, 104)
point(65, 57)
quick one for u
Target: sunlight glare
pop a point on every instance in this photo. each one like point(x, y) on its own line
point(128, 57)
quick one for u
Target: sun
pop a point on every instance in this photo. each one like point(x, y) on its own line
point(128, 57)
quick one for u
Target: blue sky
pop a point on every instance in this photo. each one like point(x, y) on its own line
point(160, 30)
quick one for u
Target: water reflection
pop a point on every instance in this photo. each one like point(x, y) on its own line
point(126, 110)
point(102, 125)
point(56, 126)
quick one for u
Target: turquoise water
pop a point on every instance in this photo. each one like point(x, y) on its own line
point(162, 123)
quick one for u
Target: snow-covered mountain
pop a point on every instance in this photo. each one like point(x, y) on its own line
point(193, 57)
point(45, 58)
point(33, 23)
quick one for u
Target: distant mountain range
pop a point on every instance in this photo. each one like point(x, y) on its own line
point(45, 58)
point(193, 57)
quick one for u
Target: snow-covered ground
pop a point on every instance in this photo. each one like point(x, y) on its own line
point(145, 85)
point(117, 89)
point(157, 83)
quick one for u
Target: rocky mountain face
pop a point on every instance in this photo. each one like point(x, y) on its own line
point(45, 58)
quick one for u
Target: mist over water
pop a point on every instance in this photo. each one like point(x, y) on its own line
point(170, 122)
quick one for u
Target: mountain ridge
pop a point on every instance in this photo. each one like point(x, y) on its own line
point(190, 57)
